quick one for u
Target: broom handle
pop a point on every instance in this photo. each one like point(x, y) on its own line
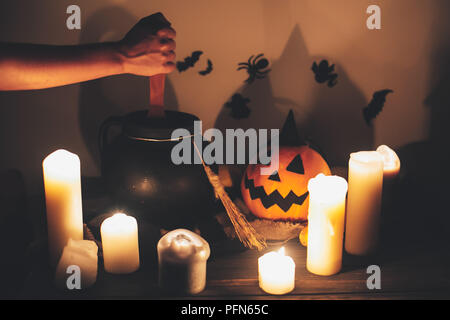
point(156, 108)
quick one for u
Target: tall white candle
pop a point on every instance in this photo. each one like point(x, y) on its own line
point(276, 272)
point(365, 184)
point(326, 220)
point(120, 244)
point(62, 184)
point(182, 256)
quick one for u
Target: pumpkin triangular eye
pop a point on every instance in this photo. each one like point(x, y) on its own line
point(296, 165)
point(275, 177)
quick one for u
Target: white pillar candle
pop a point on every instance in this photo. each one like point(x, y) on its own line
point(120, 244)
point(276, 272)
point(391, 162)
point(62, 184)
point(326, 220)
point(365, 183)
point(182, 256)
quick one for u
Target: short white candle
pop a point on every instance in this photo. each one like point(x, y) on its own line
point(120, 244)
point(365, 184)
point(182, 256)
point(326, 220)
point(81, 254)
point(276, 272)
point(62, 183)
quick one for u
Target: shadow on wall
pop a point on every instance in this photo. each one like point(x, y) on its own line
point(332, 119)
point(112, 96)
point(425, 160)
point(336, 122)
point(424, 175)
point(438, 99)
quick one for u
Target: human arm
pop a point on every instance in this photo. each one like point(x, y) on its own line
point(147, 49)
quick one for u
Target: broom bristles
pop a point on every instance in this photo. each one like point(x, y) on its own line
point(244, 230)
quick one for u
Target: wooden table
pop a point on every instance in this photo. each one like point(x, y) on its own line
point(412, 275)
point(414, 258)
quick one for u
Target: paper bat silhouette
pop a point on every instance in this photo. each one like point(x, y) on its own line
point(375, 105)
point(323, 72)
point(208, 69)
point(189, 62)
point(238, 106)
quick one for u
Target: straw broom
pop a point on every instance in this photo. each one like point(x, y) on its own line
point(244, 230)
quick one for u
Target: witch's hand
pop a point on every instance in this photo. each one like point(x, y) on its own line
point(149, 47)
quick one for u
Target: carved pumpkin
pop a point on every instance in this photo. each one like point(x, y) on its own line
point(283, 195)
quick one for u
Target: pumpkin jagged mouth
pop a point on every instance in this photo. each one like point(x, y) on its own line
point(273, 198)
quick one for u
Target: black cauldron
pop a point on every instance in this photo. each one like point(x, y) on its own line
point(139, 173)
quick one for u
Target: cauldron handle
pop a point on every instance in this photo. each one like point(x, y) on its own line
point(104, 130)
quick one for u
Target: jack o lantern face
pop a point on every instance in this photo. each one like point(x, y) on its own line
point(283, 195)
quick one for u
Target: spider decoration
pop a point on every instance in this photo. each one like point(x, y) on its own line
point(324, 73)
point(238, 106)
point(255, 67)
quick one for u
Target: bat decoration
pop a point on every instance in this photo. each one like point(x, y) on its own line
point(238, 106)
point(324, 73)
point(254, 67)
point(375, 105)
point(208, 69)
point(189, 62)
